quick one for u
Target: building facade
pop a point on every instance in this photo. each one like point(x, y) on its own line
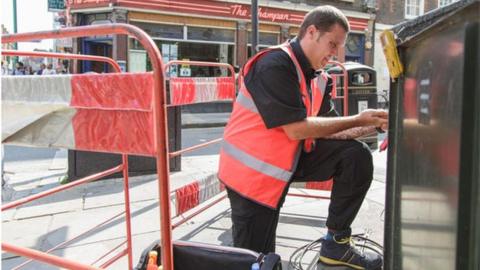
point(208, 30)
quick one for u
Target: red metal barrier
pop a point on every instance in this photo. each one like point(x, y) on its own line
point(345, 85)
point(123, 167)
point(44, 257)
point(160, 140)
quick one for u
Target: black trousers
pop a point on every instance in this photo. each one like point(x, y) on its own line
point(350, 164)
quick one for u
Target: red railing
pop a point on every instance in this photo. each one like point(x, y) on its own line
point(345, 85)
point(160, 141)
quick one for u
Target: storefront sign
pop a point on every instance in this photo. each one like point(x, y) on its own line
point(264, 14)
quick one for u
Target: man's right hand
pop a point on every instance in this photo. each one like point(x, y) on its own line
point(372, 117)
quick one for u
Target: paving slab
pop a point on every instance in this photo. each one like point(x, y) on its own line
point(65, 201)
point(26, 233)
point(66, 226)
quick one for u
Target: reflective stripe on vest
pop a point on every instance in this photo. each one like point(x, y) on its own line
point(246, 102)
point(255, 163)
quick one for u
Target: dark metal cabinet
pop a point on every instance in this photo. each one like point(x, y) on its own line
point(432, 205)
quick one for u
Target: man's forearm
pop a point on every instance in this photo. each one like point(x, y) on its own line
point(352, 133)
point(324, 127)
point(320, 127)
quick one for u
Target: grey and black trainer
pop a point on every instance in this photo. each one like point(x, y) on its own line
point(338, 250)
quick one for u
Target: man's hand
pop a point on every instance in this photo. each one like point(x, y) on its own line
point(371, 117)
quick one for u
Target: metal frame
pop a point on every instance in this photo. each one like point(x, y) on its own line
point(121, 168)
point(160, 141)
point(345, 85)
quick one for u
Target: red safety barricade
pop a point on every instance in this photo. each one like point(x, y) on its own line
point(96, 106)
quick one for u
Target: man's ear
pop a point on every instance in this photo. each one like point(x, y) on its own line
point(311, 30)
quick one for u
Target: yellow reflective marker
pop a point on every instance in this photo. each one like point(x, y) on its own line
point(395, 67)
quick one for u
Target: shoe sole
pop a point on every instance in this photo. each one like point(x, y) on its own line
point(333, 262)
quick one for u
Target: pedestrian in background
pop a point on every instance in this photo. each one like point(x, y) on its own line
point(42, 68)
point(19, 69)
point(29, 70)
point(49, 70)
point(5, 70)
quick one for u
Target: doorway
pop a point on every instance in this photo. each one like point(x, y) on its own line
point(97, 47)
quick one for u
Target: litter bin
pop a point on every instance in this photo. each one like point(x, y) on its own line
point(362, 92)
point(83, 163)
point(433, 178)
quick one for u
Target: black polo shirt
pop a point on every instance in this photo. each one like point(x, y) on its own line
point(273, 84)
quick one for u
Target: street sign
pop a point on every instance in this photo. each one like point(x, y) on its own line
point(56, 5)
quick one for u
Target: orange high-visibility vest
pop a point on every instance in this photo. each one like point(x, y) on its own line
point(257, 162)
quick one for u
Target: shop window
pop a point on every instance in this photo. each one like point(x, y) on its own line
point(210, 34)
point(161, 30)
point(134, 44)
point(268, 39)
point(191, 51)
point(355, 48)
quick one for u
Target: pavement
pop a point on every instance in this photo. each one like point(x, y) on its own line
point(204, 120)
point(45, 223)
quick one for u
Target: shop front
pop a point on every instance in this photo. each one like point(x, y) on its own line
point(207, 30)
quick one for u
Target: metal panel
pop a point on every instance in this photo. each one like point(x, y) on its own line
point(428, 190)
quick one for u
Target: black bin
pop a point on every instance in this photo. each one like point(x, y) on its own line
point(433, 175)
point(83, 163)
point(362, 92)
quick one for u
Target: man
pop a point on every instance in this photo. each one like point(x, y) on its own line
point(49, 70)
point(42, 68)
point(19, 69)
point(5, 70)
point(283, 128)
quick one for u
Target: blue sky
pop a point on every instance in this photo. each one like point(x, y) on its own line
point(32, 15)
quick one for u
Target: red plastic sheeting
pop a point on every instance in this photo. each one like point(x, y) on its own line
point(114, 114)
point(323, 185)
point(226, 88)
point(114, 131)
point(99, 112)
point(194, 90)
point(112, 91)
point(182, 91)
point(187, 197)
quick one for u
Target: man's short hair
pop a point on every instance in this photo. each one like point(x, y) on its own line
point(324, 18)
